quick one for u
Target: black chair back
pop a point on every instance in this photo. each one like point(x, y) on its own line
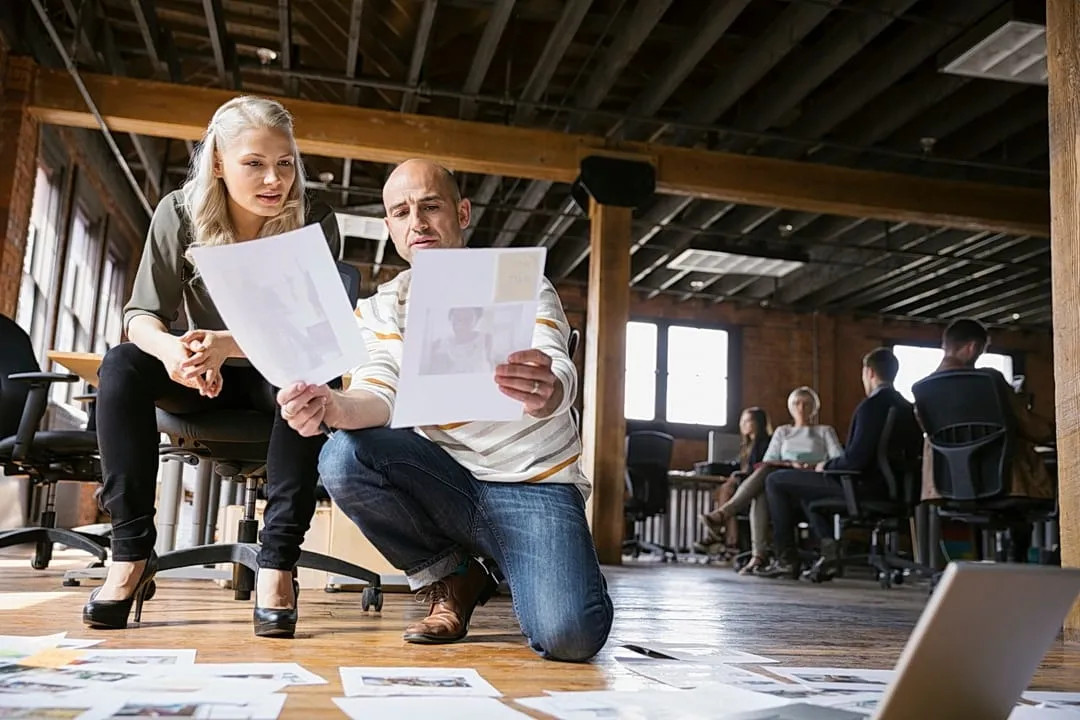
point(350, 277)
point(648, 460)
point(16, 356)
point(898, 457)
point(971, 430)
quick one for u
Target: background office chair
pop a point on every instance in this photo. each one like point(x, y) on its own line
point(236, 442)
point(971, 431)
point(46, 456)
point(648, 460)
point(886, 516)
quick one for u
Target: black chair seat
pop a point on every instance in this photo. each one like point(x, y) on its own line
point(55, 444)
point(227, 426)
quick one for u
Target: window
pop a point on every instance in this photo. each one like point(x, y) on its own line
point(640, 403)
point(917, 362)
point(77, 296)
point(40, 260)
point(677, 374)
point(107, 328)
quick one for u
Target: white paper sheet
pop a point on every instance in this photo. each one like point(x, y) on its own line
point(290, 673)
point(865, 703)
point(1043, 713)
point(23, 600)
point(56, 708)
point(685, 675)
point(206, 706)
point(137, 657)
point(851, 679)
point(458, 708)
point(283, 299)
point(468, 310)
point(1055, 699)
point(798, 711)
point(697, 704)
point(696, 653)
point(382, 681)
point(14, 647)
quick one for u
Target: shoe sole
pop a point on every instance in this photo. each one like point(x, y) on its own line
point(421, 639)
point(274, 632)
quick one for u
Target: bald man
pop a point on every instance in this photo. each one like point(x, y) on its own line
point(434, 499)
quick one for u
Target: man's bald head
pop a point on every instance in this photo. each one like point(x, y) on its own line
point(424, 208)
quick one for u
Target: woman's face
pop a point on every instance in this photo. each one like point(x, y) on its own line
point(802, 409)
point(746, 424)
point(259, 170)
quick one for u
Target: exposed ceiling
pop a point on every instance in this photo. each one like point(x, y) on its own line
point(844, 82)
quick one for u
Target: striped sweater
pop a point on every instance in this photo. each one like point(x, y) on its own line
point(527, 450)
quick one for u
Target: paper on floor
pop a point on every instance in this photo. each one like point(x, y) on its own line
point(685, 675)
point(289, 673)
point(797, 711)
point(1055, 699)
point(468, 310)
point(382, 681)
point(15, 647)
point(23, 600)
point(283, 299)
point(696, 653)
point(137, 657)
point(697, 704)
point(205, 706)
point(57, 708)
point(1043, 713)
point(456, 708)
point(851, 679)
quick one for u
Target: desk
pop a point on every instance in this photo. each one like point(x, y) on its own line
point(83, 364)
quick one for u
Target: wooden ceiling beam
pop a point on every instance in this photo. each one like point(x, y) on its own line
point(178, 111)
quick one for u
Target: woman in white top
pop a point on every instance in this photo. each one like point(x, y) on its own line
point(799, 445)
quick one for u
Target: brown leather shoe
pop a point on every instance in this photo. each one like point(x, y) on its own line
point(452, 602)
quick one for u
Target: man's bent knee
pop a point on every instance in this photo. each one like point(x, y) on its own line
point(573, 638)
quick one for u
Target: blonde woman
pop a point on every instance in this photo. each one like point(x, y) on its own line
point(246, 182)
point(800, 445)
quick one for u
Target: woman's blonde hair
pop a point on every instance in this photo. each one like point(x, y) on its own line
point(806, 392)
point(205, 196)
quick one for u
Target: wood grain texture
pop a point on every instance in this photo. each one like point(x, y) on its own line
point(179, 111)
point(604, 422)
point(848, 623)
point(1063, 52)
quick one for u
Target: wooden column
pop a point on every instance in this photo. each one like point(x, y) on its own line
point(18, 164)
point(604, 422)
point(1063, 55)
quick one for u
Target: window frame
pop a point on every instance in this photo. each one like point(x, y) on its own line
point(734, 380)
point(1018, 364)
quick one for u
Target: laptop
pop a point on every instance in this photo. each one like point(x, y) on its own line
point(979, 641)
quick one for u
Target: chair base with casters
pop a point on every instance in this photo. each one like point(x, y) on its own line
point(48, 457)
point(237, 442)
point(636, 545)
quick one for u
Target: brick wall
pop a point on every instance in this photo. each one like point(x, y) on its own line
point(782, 350)
point(18, 157)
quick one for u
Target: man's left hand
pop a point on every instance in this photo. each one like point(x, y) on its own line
point(526, 376)
point(820, 467)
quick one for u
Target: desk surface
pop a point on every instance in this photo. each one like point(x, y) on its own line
point(83, 364)
point(681, 476)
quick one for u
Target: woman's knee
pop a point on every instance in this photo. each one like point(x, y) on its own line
point(122, 362)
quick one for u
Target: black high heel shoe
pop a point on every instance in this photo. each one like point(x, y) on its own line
point(113, 614)
point(277, 622)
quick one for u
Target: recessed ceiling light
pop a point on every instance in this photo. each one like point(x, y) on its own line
point(697, 284)
point(786, 229)
point(1016, 316)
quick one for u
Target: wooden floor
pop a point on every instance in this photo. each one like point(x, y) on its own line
point(846, 623)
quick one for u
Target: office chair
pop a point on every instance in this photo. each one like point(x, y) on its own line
point(972, 436)
point(648, 460)
point(46, 456)
point(236, 442)
point(884, 514)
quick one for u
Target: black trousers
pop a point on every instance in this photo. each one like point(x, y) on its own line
point(788, 492)
point(131, 384)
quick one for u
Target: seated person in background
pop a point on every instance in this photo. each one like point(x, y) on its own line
point(963, 341)
point(801, 445)
point(756, 432)
point(787, 490)
point(432, 499)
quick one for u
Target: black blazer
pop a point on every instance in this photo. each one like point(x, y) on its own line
point(861, 451)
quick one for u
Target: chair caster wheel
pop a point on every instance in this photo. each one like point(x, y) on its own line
point(331, 589)
point(885, 580)
point(71, 583)
point(42, 555)
point(898, 577)
point(372, 598)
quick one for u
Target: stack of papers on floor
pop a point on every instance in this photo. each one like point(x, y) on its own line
point(446, 693)
point(57, 677)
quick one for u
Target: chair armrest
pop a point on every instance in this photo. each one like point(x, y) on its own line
point(88, 398)
point(847, 484)
point(43, 377)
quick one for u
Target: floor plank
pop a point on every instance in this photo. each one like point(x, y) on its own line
point(847, 623)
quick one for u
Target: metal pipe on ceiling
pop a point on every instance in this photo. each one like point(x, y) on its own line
point(109, 140)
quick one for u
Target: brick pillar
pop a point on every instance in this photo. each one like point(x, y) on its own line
point(18, 162)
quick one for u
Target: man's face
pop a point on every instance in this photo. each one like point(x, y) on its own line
point(421, 211)
point(867, 380)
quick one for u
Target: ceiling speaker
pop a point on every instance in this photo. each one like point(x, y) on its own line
point(613, 181)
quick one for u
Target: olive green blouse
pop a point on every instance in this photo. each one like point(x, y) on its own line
point(166, 279)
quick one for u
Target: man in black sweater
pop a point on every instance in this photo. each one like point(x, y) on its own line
point(787, 490)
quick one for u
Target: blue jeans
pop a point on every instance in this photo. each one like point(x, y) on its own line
point(426, 514)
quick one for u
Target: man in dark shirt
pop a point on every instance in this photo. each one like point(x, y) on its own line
point(787, 490)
